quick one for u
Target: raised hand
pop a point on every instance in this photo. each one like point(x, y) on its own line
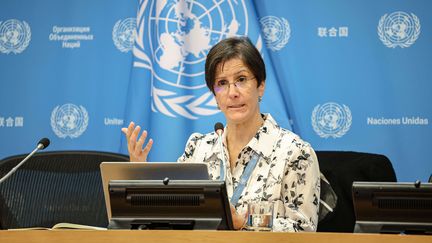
point(137, 153)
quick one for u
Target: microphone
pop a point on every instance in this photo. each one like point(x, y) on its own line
point(219, 129)
point(42, 144)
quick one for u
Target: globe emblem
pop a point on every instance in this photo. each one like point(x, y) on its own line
point(183, 31)
point(331, 120)
point(399, 29)
point(276, 31)
point(123, 34)
point(69, 120)
point(15, 36)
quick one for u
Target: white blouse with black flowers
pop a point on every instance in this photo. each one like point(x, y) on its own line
point(287, 173)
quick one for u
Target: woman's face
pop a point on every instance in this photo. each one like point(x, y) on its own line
point(236, 91)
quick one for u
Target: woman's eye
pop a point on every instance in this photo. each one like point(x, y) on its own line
point(241, 79)
point(222, 82)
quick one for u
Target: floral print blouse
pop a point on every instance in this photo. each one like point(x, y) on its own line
point(287, 173)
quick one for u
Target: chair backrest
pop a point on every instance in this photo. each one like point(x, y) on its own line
point(342, 169)
point(54, 187)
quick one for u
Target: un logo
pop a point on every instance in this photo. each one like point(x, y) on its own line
point(276, 32)
point(399, 29)
point(69, 120)
point(15, 36)
point(173, 39)
point(123, 34)
point(331, 120)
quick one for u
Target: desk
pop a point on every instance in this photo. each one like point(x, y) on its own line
point(113, 236)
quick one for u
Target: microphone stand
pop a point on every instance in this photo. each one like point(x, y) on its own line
point(39, 146)
point(221, 149)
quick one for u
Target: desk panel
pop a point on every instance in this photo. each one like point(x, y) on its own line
point(127, 236)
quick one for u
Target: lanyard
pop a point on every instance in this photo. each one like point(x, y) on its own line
point(244, 179)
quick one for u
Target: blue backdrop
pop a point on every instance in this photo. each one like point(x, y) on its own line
point(344, 75)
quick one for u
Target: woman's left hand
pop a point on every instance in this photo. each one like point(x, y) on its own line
point(238, 220)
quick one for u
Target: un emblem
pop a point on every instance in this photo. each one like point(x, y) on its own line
point(15, 36)
point(123, 34)
point(276, 31)
point(69, 120)
point(331, 120)
point(399, 29)
point(173, 39)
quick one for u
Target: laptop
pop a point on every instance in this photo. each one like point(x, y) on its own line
point(149, 171)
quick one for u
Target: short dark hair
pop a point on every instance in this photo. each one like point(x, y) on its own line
point(234, 47)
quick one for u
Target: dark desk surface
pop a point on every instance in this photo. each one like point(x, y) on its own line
point(112, 236)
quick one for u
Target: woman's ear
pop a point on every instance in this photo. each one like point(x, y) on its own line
point(261, 88)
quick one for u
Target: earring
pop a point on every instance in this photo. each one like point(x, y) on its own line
point(259, 98)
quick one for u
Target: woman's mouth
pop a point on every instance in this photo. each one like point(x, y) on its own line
point(237, 106)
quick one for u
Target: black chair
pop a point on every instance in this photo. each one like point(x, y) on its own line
point(54, 187)
point(341, 169)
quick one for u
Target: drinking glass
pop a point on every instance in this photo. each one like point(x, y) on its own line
point(260, 216)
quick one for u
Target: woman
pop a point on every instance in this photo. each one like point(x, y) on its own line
point(286, 171)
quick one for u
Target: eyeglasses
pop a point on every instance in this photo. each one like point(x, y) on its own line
point(222, 86)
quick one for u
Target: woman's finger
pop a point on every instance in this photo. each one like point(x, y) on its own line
point(133, 139)
point(147, 148)
point(140, 143)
